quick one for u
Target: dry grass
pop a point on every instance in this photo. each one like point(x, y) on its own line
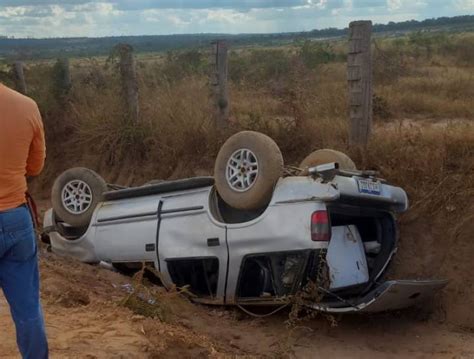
point(436, 92)
point(425, 144)
point(433, 162)
point(302, 108)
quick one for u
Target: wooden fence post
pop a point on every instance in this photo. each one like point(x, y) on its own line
point(359, 76)
point(129, 81)
point(219, 83)
point(19, 77)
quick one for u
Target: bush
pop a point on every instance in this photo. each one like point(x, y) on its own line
point(271, 90)
point(460, 49)
point(180, 64)
point(390, 61)
point(259, 66)
point(315, 53)
point(380, 108)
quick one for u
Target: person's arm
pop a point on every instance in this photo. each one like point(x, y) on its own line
point(37, 153)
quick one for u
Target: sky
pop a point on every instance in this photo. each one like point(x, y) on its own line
point(70, 18)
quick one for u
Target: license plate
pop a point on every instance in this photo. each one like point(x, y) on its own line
point(369, 187)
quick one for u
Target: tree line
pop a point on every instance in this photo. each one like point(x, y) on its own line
point(11, 48)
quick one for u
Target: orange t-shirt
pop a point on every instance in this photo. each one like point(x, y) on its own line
point(22, 146)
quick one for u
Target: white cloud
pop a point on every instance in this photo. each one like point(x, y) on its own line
point(49, 18)
point(394, 4)
point(467, 5)
point(227, 16)
point(102, 7)
point(10, 11)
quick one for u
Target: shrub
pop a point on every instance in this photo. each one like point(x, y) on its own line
point(180, 64)
point(315, 53)
point(380, 108)
point(259, 66)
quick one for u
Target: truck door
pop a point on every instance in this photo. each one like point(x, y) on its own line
point(126, 230)
point(192, 248)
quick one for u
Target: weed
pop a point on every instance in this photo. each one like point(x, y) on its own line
point(273, 91)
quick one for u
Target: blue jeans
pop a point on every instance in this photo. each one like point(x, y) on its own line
point(19, 279)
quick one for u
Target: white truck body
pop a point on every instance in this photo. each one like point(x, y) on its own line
point(230, 257)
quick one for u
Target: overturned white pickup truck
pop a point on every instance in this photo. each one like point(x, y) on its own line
point(247, 236)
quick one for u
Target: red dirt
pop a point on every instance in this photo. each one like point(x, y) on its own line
point(84, 320)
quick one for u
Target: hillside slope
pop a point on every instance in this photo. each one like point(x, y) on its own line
point(84, 320)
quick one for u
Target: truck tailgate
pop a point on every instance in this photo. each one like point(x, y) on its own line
point(390, 295)
point(362, 191)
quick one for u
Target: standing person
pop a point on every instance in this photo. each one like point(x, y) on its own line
point(22, 153)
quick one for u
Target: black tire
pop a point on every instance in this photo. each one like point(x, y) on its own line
point(264, 158)
point(77, 209)
point(321, 157)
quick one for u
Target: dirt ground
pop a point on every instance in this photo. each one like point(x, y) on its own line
point(85, 320)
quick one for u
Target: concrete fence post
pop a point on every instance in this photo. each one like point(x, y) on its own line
point(359, 76)
point(219, 83)
point(62, 76)
point(19, 77)
point(129, 77)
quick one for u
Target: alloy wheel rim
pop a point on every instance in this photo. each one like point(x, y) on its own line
point(242, 170)
point(76, 197)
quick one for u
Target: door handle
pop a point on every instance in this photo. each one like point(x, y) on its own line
point(213, 242)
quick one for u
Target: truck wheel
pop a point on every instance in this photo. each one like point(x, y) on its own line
point(246, 170)
point(75, 194)
point(321, 157)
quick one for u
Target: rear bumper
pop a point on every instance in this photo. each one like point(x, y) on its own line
point(390, 198)
point(390, 295)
